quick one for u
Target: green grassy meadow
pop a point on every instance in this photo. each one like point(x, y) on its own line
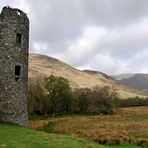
point(15, 137)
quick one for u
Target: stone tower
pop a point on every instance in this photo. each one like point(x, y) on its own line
point(14, 40)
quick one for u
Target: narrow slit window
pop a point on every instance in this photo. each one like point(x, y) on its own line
point(17, 72)
point(18, 38)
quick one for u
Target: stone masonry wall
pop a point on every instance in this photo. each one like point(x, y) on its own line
point(14, 41)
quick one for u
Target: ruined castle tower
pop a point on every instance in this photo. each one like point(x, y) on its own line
point(14, 39)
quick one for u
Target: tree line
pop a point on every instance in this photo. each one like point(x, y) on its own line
point(54, 96)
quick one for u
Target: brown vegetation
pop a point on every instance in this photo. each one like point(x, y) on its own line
point(129, 124)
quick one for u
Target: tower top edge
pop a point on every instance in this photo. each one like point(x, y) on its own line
point(7, 10)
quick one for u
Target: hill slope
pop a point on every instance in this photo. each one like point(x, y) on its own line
point(136, 81)
point(41, 66)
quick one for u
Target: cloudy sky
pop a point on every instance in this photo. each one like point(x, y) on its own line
point(103, 35)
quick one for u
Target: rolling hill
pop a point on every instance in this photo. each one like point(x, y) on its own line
point(137, 81)
point(42, 66)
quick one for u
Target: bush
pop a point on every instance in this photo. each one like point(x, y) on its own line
point(136, 101)
point(54, 96)
point(99, 100)
point(104, 100)
point(49, 128)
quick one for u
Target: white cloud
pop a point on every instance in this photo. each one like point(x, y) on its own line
point(105, 35)
point(138, 63)
point(84, 47)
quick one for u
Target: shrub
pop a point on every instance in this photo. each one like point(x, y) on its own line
point(135, 101)
point(104, 100)
point(54, 96)
point(99, 100)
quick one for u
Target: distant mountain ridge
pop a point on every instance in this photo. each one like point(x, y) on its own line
point(41, 66)
point(137, 81)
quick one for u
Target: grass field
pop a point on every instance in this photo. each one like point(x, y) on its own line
point(127, 125)
point(15, 137)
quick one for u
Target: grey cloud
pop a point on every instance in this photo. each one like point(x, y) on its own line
point(114, 13)
point(104, 35)
point(57, 22)
point(61, 22)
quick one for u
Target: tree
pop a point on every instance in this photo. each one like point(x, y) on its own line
point(59, 92)
point(37, 100)
point(81, 100)
point(102, 100)
point(105, 99)
point(99, 100)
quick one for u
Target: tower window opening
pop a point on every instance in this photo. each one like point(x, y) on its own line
point(18, 38)
point(17, 72)
point(18, 12)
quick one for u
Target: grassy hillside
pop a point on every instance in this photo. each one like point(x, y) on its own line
point(41, 66)
point(15, 137)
